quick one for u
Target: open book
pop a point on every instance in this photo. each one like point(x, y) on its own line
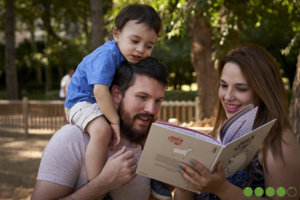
point(167, 145)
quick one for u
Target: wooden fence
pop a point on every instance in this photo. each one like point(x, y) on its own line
point(25, 114)
point(49, 115)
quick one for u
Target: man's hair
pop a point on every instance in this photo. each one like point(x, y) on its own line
point(125, 76)
point(142, 13)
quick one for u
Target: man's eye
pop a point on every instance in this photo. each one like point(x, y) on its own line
point(142, 97)
point(159, 100)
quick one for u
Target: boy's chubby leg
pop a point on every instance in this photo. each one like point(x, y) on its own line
point(96, 153)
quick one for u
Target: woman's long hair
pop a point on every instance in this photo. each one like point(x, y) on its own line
point(263, 76)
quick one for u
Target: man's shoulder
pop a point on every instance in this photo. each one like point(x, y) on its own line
point(70, 133)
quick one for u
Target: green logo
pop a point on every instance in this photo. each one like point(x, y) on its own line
point(259, 191)
point(248, 192)
point(280, 191)
point(270, 191)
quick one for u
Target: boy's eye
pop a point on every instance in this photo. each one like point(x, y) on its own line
point(134, 41)
point(149, 47)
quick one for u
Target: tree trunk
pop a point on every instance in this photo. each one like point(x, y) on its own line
point(295, 102)
point(97, 23)
point(200, 35)
point(10, 52)
point(52, 37)
point(38, 67)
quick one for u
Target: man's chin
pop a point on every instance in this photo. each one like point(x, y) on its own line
point(142, 129)
point(142, 125)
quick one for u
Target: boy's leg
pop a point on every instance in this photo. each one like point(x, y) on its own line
point(96, 153)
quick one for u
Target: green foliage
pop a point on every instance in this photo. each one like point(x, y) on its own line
point(179, 95)
point(62, 34)
point(175, 54)
point(49, 95)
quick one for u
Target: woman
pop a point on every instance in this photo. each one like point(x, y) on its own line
point(249, 75)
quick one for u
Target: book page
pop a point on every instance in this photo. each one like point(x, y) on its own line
point(190, 132)
point(239, 153)
point(239, 127)
point(167, 146)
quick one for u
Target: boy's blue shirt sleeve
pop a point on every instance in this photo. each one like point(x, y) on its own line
point(102, 69)
point(98, 67)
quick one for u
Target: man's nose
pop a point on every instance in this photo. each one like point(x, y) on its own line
point(150, 108)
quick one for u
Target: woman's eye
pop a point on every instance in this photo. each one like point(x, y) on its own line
point(223, 86)
point(242, 89)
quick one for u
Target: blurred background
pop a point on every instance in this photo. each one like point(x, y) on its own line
point(41, 40)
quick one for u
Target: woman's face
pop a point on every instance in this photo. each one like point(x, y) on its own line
point(234, 91)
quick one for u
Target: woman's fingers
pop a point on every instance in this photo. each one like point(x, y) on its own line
point(190, 175)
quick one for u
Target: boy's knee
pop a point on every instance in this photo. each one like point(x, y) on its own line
point(99, 126)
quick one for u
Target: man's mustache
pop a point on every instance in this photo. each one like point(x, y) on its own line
point(144, 115)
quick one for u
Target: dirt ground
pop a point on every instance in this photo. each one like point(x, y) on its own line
point(19, 162)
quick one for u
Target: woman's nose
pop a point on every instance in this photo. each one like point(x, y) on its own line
point(229, 94)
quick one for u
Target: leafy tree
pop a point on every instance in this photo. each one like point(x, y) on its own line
point(292, 48)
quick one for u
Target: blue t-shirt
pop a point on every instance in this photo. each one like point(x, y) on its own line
point(98, 67)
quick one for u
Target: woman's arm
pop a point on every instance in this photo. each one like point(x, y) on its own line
point(279, 174)
point(285, 173)
point(199, 178)
point(183, 194)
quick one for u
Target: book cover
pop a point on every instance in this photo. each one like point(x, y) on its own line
point(167, 145)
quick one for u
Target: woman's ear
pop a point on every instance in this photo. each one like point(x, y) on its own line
point(116, 94)
point(116, 33)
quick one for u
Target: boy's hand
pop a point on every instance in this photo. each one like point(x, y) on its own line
point(116, 138)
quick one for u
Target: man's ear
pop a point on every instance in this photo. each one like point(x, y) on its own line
point(116, 94)
point(116, 34)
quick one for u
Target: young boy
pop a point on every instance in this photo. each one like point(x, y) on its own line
point(89, 104)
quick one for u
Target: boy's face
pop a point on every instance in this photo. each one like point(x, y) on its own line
point(135, 41)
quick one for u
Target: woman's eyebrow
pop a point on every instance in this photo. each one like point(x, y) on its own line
point(238, 84)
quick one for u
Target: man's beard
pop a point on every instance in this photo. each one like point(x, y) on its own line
point(126, 125)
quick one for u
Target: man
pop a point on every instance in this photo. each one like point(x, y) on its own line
point(137, 92)
point(64, 84)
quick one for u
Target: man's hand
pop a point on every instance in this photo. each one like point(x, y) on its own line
point(119, 169)
point(116, 138)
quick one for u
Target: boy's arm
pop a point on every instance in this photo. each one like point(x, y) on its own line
point(105, 103)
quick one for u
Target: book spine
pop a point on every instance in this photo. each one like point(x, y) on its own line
point(213, 166)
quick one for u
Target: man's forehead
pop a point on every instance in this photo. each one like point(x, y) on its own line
point(146, 83)
point(141, 78)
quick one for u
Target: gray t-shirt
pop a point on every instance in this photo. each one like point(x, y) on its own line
point(63, 163)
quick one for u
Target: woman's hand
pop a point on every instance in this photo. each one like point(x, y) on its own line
point(199, 178)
